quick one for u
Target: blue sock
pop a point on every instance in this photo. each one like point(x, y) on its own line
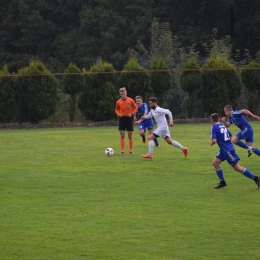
point(257, 151)
point(248, 174)
point(242, 144)
point(156, 141)
point(220, 174)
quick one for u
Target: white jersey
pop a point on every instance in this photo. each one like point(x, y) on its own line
point(159, 116)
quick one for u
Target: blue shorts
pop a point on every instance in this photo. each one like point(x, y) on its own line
point(247, 134)
point(146, 124)
point(231, 157)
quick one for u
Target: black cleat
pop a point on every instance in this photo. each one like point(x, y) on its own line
point(130, 152)
point(221, 185)
point(122, 153)
point(250, 151)
point(257, 181)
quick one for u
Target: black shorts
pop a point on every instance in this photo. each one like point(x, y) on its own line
point(126, 123)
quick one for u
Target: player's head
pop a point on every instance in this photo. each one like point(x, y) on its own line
point(123, 93)
point(228, 110)
point(138, 100)
point(214, 118)
point(153, 102)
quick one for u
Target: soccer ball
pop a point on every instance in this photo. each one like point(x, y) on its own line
point(109, 152)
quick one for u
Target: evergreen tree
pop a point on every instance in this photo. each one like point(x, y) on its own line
point(8, 94)
point(191, 82)
point(136, 80)
point(97, 101)
point(251, 79)
point(221, 85)
point(72, 85)
point(39, 94)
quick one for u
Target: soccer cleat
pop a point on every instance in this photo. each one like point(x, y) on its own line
point(250, 151)
point(130, 152)
point(257, 181)
point(157, 145)
point(147, 156)
point(144, 140)
point(221, 185)
point(185, 151)
point(122, 153)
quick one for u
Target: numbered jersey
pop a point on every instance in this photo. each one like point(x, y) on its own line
point(223, 137)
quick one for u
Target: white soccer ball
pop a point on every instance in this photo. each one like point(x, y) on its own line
point(109, 152)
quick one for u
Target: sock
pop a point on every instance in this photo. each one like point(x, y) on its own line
point(130, 141)
point(257, 151)
point(156, 141)
point(241, 144)
point(220, 174)
point(122, 143)
point(248, 174)
point(143, 136)
point(151, 146)
point(176, 144)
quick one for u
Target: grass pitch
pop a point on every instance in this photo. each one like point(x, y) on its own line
point(62, 198)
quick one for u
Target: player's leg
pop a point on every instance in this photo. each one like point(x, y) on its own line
point(130, 129)
point(175, 143)
point(156, 139)
point(121, 128)
point(250, 142)
point(151, 138)
point(216, 164)
point(237, 141)
point(142, 132)
point(248, 174)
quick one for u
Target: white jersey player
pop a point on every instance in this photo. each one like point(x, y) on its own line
point(159, 114)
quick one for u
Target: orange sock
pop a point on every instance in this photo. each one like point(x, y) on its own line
point(122, 143)
point(131, 141)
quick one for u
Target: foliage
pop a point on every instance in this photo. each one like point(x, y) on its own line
point(98, 98)
point(39, 96)
point(161, 79)
point(72, 85)
point(221, 85)
point(191, 82)
point(136, 80)
point(8, 96)
point(250, 77)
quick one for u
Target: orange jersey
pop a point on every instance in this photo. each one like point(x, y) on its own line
point(125, 107)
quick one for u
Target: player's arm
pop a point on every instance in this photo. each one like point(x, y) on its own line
point(212, 141)
point(170, 118)
point(117, 109)
point(225, 122)
point(247, 112)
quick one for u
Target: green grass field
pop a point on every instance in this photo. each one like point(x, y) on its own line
point(62, 198)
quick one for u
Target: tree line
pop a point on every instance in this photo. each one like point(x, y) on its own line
point(34, 94)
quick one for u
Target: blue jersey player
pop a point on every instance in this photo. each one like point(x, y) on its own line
point(147, 123)
point(221, 136)
point(247, 133)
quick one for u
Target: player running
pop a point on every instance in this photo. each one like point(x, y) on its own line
point(221, 136)
point(246, 133)
point(147, 123)
point(158, 114)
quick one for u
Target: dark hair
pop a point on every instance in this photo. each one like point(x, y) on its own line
point(153, 99)
point(214, 117)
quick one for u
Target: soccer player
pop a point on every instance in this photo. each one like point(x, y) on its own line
point(162, 127)
point(147, 123)
point(125, 109)
point(221, 136)
point(246, 133)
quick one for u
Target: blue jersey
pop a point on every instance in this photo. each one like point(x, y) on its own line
point(239, 120)
point(222, 135)
point(143, 109)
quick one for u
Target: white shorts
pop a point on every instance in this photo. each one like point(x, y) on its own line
point(163, 132)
